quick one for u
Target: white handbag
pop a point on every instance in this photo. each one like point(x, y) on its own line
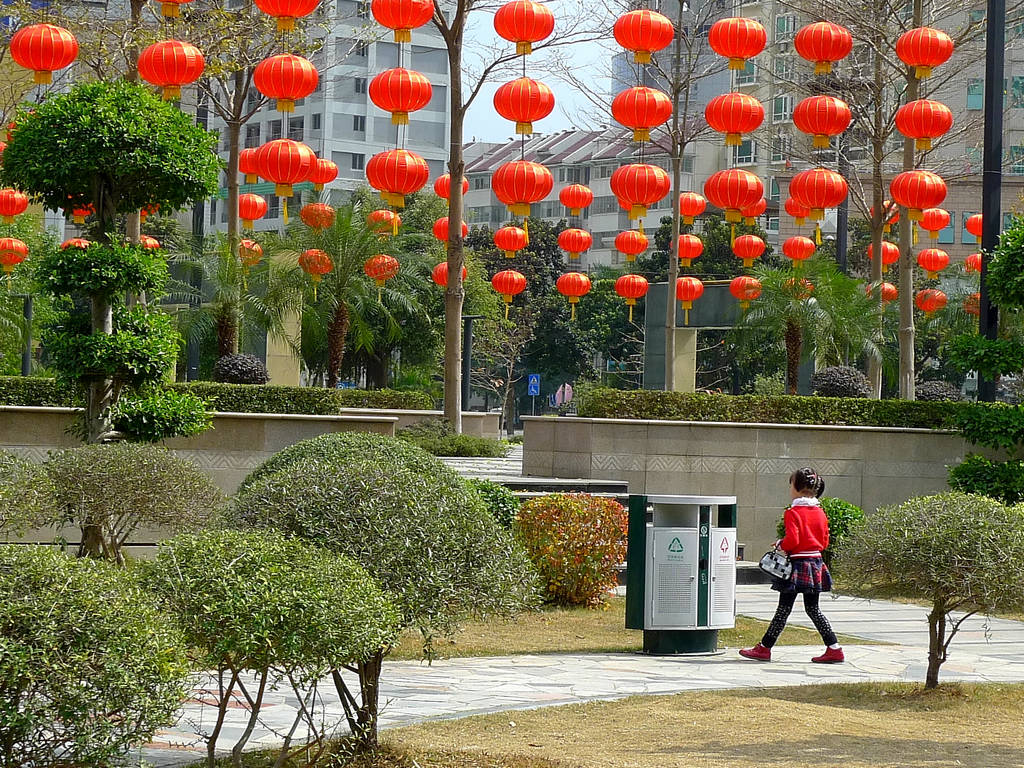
point(776, 563)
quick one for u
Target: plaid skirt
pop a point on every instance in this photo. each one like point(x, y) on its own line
point(810, 574)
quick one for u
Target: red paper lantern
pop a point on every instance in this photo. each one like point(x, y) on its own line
point(287, 78)
point(631, 244)
point(149, 210)
point(43, 48)
point(818, 189)
point(917, 191)
point(250, 208)
point(890, 254)
point(250, 253)
point(751, 212)
point(509, 284)
point(972, 304)
point(149, 243)
point(3, 146)
point(287, 11)
point(171, 9)
point(923, 120)
point(798, 211)
point(247, 165)
point(973, 263)
point(324, 172)
point(169, 65)
point(441, 229)
point(688, 248)
point(923, 49)
point(972, 225)
point(573, 285)
point(400, 91)
point(734, 114)
point(380, 268)
point(822, 117)
point(80, 212)
point(732, 191)
point(574, 241)
point(691, 205)
point(443, 186)
point(402, 16)
point(12, 253)
point(575, 197)
point(75, 242)
point(12, 203)
point(643, 32)
point(745, 289)
point(520, 183)
point(509, 240)
point(934, 220)
point(631, 288)
point(798, 249)
point(737, 39)
point(930, 301)
point(932, 261)
point(384, 221)
point(639, 185)
point(823, 43)
point(888, 291)
point(397, 173)
point(285, 162)
point(640, 109)
point(523, 101)
point(317, 215)
point(524, 23)
point(688, 290)
point(890, 215)
point(748, 248)
point(439, 274)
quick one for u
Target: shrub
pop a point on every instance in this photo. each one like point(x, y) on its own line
point(840, 381)
point(437, 438)
point(37, 392)
point(1001, 480)
point(240, 369)
point(89, 668)
point(26, 495)
point(111, 490)
point(576, 541)
point(956, 551)
point(989, 357)
point(937, 390)
point(502, 503)
point(773, 385)
point(258, 602)
point(994, 425)
point(158, 414)
point(249, 398)
point(842, 518)
point(1005, 280)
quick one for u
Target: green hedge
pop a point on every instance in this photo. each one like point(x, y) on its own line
point(30, 391)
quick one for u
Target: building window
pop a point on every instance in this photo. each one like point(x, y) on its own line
point(977, 16)
point(1017, 92)
point(273, 206)
point(213, 211)
point(747, 75)
point(364, 9)
point(273, 130)
point(252, 135)
point(362, 50)
point(782, 109)
point(966, 238)
point(359, 123)
point(481, 182)
point(688, 161)
point(359, 84)
point(745, 153)
point(317, 122)
point(782, 66)
point(947, 235)
point(785, 26)
point(252, 99)
point(358, 161)
point(774, 194)
point(1016, 157)
point(296, 128)
point(780, 149)
point(773, 224)
point(975, 93)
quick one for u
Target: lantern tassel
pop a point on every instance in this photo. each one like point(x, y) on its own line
point(640, 226)
point(631, 313)
point(507, 305)
point(817, 233)
point(314, 293)
point(394, 226)
point(526, 231)
point(285, 209)
point(380, 294)
point(913, 232)
point(732, 234)
point(686, 317)
point(572, 312)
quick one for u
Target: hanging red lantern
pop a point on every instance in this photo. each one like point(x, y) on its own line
point(932, 261)
point(798, 249)
point(934, 220)
point(923, 49)
point(691, 205)
point(324, 172)
point(317, 215)
point(400, 91)
point(380, 268)
point(888, 291)
point(751, 213)
point(732, 191)
point(441, 229)
point(520, 183)
point(640, 109)
point(631, 244)
point(509, 284)
point(287, 11)
point(575, 197)
point(688, 248)
point(316, 264)
point(737, 39)
point(823, 43)
point(923, 120)
point(573, 285)
point(402, 16)
point(509, 240)
point(574, 241)
point(170, 64)
point(439, 274)
point(149, 243)
point(12, 253)
point(250, 208)
point(748, 248)
point(890, 254)
point(734, 114)
point(383, 221)
point(149, 210)
point(798, 211)
point(972, 225)
point(285, 162)
point(75, 242)
point(523, 101)
point(397, 173)
point(917, 191)
point(973, 263)
point(250, 253)
point(43, 48)
point(524, 23)
point(631, 288)
point(12, 203)
point(822, 117)
point(890, 215)
point(3, 146)
point(688, 290)
point(643, 32)
point(171, 9)
point(443, 186)
point(930, 301)
point(247, 165)
point(639, 185)
point(745, 289)
point(287, 78)
point(80, 212)
point(972, 304)
point(818, 189)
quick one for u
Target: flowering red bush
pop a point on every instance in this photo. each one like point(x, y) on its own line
point(575, 540)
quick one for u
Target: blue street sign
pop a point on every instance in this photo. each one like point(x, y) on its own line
point(533, 384)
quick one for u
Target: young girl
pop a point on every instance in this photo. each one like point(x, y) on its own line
point(806, 538)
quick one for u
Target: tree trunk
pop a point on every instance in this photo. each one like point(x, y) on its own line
point(369, 695)
point(936, 645)
point(227, 331)
point(878, 127)
point(337, 332)
point(455, 293)
point(794, 349)
point(509, 408)
point(100, 392)
point(677, 175)
point(234, 131)
point(376, 372)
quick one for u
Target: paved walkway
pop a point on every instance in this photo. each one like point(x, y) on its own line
point(413, 692)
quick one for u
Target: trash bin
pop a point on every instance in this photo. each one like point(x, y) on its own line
point(681, 571)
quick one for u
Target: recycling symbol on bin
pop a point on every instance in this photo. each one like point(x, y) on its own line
point(676, 545)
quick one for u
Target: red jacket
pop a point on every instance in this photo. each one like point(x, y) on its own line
point(806, 528)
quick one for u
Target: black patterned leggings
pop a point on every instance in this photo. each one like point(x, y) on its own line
point(786, 602)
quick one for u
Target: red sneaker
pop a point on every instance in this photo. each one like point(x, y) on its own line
point(757, 653)
point(830, 656)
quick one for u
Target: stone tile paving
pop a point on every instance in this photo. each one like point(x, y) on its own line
point(414, 692)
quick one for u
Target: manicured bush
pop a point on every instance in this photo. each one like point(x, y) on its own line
point(937, 390)
point(840, 381)
point(37, 392)
point(26, 496)
point(89, 668)
point(576, 541)
point(112, 490)
point(502, 503)
point(994, 425)
point(438, 439)
point(1001, 480)
point(245, 398)
point(842, 518)
point(240, 369)
point(291, 613)
point(956, 551)
point(155, 414)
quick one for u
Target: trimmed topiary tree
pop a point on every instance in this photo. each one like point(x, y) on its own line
point(937, 390)
point(89, 668)
point(840, 381)
point(240, 369)
point(409, 520)
point(26, 496)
